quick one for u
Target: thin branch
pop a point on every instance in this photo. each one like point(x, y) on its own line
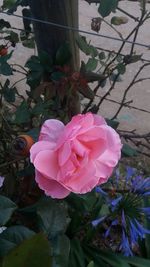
point(128, 88)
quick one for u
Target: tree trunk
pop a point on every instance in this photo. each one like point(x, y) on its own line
point(50, 38)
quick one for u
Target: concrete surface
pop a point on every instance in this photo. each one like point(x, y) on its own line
point(140, 93)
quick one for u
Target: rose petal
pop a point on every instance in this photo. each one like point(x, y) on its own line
point(92, 134)
point(64, 153)
point(51, 187)
point(98, 120)
point(51, 130)
point(113, 149)
point(83, 181)
point(46, 163)
point(40, 146)
point(102, 171)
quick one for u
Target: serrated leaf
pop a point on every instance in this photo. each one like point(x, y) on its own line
point(12, 237)
point(107, 6)
point(52, 217)
point(33, 252)
point(7, 207)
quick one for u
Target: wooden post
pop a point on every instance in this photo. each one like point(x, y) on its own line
point(49, 38)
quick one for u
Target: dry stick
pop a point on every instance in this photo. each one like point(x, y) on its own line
point(128, 88)
point(126, 104)
point(137, 31)
point(139, 136)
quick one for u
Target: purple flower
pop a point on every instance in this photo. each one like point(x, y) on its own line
point(125, 245)
point(100, 191)
point(114, 203)
point(114, 222)
point(98, 221)
point(130, 172)
point(123, 219)
point(1, 181)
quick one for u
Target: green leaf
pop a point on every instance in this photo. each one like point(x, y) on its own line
point(61, 250)
point(113, 123)
point(102, 56)
point(91, 264)
point(77, 258)
point(5, 68)
point(12, 37)
point(8, 93)
point(91, 64)
point(57, 75)
point(46, 61)
point(128, 151)
point(36, 71)
point(12, 237)
point(4, 24)
point(119, 20)
point(83, 45)
point(33, 252)
point(7, 4)
point(52, 217)
point(107, 6)
point(129, 59)
point(105, 258)
point(7, 207)
point(137, 261)
point(22, 114)
point(63, 55)
point(29, 43)
point(121, 68)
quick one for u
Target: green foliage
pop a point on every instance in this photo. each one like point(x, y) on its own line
point(7, 207)
point(61, 251)
point(12, 237)
point(22, 114)
point(52, 217)
point(5, 68)
point(33, 252)
point(63, 55)
point(128, 151)
point(107, 6)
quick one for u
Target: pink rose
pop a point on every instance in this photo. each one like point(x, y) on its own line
point(76, 157)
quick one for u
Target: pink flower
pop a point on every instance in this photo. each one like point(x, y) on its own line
point(76, 157)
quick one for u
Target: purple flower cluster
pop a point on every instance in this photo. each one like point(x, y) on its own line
point(127, 208)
